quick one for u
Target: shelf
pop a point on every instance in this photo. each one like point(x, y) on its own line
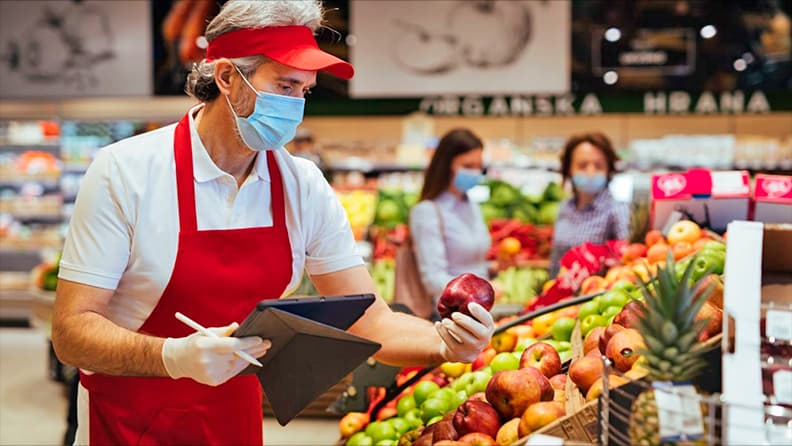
point(41, 218)
point(48, 184)
point(20, 148)
point(367, 167)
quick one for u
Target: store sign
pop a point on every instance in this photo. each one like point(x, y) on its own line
point(660, 103)
point(56, 49)
point(460, 47)
point(681, 102)
point(645, 51)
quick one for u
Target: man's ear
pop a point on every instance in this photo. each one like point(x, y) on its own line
point(223, 72)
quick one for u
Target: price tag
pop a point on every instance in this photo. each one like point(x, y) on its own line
point(544, 440)
point(782, 386)
point(678, 411)
point(779, 324)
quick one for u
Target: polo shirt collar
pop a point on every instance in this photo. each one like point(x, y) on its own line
point(204, 169)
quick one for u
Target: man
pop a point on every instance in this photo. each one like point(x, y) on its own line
point(205, 217)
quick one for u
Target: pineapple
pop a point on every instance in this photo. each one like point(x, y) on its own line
point(670, 331)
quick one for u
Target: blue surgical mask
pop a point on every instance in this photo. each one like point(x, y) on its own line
point(590, 184)
point(274, 120)
point(465, 179)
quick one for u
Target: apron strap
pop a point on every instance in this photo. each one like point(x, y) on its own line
point(185, 187)
point(276, 191)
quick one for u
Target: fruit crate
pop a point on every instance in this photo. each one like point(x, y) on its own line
point(616, 407)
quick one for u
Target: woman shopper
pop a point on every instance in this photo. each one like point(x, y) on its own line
point(209, 216)
point(588, 162)
point(447, 229)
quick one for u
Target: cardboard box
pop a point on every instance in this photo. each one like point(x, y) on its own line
point(713, 199)
point(758, 270)
point(773, 199)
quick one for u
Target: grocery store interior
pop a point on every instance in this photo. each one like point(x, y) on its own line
point(695, 97)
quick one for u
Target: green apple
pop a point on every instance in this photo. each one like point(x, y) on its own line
point(432, 408)
point(479, 384)
point(413, 418)
point(564, 346)
point(565, 355)
point(434, 420)
point(360, 439)
point(387, 442)
point(459, 398)
point(588, 308)
point(525, 344)
point(611, 311)
point(463, 381)
point(504, 361)
point(486, 370)
point(562, 328)
point(422, 391)
point(405, 404)
point(399, 424)
point(623, 285)
point(590, 322)
point(445, 393)
point(380, 430)
point(614, 298)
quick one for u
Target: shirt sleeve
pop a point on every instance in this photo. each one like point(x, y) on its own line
point(430, 249)
point(97, 247)
point(330, 245)
point(620, 215)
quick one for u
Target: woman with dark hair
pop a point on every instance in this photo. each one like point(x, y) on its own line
point(448, 231)
point(588, 162)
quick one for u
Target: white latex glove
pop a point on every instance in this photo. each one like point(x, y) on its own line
point(463, 336)
point(208, 360)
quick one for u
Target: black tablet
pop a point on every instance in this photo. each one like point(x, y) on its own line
point(336, 311)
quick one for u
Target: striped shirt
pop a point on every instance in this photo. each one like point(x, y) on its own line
point(603, 219)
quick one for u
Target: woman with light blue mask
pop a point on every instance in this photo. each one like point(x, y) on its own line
point(447, 229)
point(591, 215)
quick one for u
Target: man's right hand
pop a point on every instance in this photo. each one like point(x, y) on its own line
point(208, 360)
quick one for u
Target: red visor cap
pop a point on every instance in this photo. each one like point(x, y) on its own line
point(293, 46)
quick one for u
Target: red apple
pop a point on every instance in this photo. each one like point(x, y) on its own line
point(476, 416)
point(540, 415)
point(593, 339)
point(544, 383)
point(483, 359)
point(477, 439)
point(444, 431)
point(715, 317)
point(541, 356)
point(462, 291)
point(593, 284)
point(611, 330)
point(629, 315)
point(511, 392)
point(623, 349)
point(558, 381)
point(352, 423)
point(584, 371)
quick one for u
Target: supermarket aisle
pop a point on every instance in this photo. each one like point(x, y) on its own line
point(33, 407)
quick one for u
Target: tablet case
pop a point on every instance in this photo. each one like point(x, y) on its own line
point(306, 359)
point(338, 311)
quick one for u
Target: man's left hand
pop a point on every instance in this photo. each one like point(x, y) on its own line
point(464, 337)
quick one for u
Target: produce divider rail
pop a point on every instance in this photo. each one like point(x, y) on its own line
point(394, 392)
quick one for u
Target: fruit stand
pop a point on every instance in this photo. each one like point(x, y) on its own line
point(650, 313)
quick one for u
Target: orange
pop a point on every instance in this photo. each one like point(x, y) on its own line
point(682, 249)
point(657, 252)
point(509, 246)
point(653, 237)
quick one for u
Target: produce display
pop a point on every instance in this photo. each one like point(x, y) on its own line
point(507, 202)
point(520, 285)
point(650, 318)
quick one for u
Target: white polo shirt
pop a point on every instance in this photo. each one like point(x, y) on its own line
point(124, 231)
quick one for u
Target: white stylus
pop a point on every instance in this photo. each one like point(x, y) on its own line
point(204, 331)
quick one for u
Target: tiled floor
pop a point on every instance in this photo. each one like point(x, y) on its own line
point(33, 407)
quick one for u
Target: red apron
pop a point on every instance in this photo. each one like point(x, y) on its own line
point(218, 277)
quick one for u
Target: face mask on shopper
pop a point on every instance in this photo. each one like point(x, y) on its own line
point(589, 183)
point(273, 122)
point(465, 179)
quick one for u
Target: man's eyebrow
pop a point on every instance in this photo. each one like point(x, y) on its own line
point(294, 81)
